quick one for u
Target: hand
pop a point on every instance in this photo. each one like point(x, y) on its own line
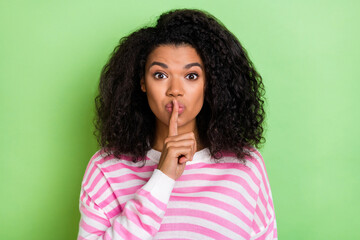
point(178, 149)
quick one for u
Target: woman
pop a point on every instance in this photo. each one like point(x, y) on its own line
point(179, 114)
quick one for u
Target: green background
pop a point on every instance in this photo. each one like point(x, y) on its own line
point(51, 54)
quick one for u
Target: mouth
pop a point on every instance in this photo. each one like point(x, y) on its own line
point(169, 108)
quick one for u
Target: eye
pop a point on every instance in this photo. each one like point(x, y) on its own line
point(192, 76)
point(159, 75)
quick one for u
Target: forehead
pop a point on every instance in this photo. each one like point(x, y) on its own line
point(174, 54)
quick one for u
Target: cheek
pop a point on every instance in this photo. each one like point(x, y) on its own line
point(154, 100)
point(198, 94)
point(154, 93)
point(197, 99)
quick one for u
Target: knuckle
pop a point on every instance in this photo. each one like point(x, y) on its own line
point(168, 145)
point(171, 149)
point(167, 140)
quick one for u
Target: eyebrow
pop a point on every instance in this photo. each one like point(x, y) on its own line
point(187, 66)
point(158, 63)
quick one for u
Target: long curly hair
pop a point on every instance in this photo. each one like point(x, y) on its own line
point(232, 115)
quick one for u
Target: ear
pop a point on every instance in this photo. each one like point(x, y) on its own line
point(142, 84)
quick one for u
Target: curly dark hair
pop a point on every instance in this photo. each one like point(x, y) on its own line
point(232, 114)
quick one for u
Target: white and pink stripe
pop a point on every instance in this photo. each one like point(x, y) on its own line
point(226, 200)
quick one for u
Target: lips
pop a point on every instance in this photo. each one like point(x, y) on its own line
point(169, 107)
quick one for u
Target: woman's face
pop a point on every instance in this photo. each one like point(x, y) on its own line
point(174, 72)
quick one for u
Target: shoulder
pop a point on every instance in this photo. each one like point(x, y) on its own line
point(257, 165)
point(104, 159)
point(253, 158)
point(102, 162)
point(97, 161)
point(254, 163)
point(105, 172)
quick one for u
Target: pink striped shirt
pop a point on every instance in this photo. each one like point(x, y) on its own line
point(120, 199)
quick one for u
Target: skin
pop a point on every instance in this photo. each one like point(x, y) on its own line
point(175, 77)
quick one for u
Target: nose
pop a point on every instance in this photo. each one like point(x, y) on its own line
point(175, 88)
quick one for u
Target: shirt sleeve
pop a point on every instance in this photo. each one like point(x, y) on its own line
point(140, 218)
point(264, 222)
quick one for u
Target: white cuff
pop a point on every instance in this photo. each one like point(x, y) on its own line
point(160, 186)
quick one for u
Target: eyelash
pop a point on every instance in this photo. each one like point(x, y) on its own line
point(194, 74)
point(156, 75)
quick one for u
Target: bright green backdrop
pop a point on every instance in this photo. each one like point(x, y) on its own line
point(51, 54)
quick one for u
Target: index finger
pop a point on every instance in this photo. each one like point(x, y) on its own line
point(173, 119)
